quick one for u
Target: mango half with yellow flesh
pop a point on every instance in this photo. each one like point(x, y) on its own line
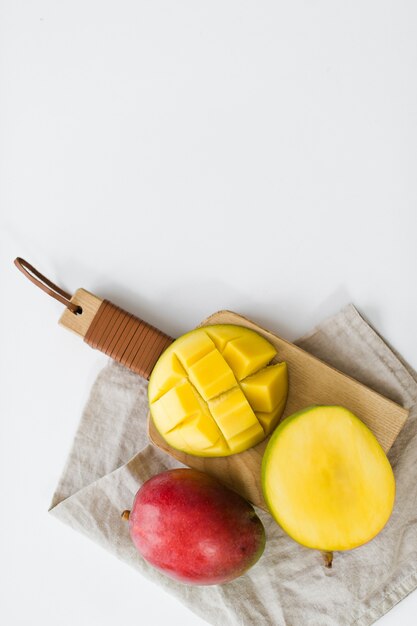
point(326, 479)
point(212, 392)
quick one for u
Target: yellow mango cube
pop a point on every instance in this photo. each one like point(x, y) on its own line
point(220, 448)
point(270, 420)
point(247, 354)
point(266, 389)
point(211, 375)
point(246, 439)
point(223, 333)
point(171, 373)
point(175, 439)
point(178, 403)
point(191, 348)
point(232, 413)
point(201, 432)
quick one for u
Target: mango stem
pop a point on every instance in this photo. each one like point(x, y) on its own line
point(126, 515)
point(328, 559)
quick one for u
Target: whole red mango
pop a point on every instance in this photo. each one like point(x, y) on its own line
point(194, 529)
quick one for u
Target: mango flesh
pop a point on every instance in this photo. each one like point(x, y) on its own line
point(195, 530)
point(326, 479)
point(212, 392)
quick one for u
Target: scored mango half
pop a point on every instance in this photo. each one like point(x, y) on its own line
point(214, 391)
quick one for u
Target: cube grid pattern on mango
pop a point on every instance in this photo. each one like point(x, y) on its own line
point(213, 392)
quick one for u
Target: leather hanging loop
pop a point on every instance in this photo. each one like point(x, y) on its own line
point(46, 285)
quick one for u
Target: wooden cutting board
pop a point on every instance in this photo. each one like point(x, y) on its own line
point(310, 382)
point(137, 345)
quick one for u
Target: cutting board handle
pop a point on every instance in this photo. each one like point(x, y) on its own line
point(126, 338)
point(104, 326)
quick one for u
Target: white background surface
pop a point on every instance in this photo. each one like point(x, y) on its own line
point(178, 158)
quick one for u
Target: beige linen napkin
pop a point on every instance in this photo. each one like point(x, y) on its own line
point(111, 457)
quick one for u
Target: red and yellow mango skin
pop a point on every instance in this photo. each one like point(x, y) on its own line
point(195, 530)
